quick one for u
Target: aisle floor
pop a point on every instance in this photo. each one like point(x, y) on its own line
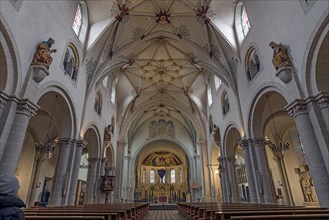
point(163, 215)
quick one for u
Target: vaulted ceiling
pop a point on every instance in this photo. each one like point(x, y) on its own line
point(162, 52)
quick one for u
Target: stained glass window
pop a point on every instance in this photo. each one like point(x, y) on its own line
point(77, 21)
point(245, 21)
point(172, 176)
point(152, 175)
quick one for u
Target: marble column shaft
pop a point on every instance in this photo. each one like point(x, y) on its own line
point(61, 175)
point(75, 171)
point(313, 152)
point(264, 177)
point(250, 174)
point(11, 154)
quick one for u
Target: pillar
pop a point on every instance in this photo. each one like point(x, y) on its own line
point(11, 154)
point(312, 149)
point(250, 174)
point(223, 178)
point(79, 146)
point(323, 104)
point(61, 175)
point(264, 177)
point(119, 170)
point(233, 183)
point(91, 180)
point(205, 165)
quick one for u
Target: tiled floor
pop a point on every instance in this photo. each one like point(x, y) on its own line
point(163, 215)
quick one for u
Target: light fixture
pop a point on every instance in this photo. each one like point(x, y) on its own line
point(279, 146)
point(46, 147)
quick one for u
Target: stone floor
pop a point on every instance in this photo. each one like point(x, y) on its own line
point(163, 215)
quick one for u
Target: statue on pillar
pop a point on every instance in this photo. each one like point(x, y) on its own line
point(42, 56)
point(216, 134)
point(108, 133)
point(280, 56)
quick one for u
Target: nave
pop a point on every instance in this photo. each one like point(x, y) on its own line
point(163, 215)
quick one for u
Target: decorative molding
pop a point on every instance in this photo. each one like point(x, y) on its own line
point(296, 109)
point(244, 144)
point(323, 102)
point(27, 108)
point(3, 102)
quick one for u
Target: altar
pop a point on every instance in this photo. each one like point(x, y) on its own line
point(162, 199)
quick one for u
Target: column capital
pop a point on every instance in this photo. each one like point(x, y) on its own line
point(323, 101)
point(82, 143)
point(65, 141)
point(243, 143)
point(121, 143)
point(202, 141)
point(259, 142)
point(296, 108)
point(3, 100)
point(92, 159)
point(27, 108)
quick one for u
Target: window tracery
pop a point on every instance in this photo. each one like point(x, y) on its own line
point(244, 21)
point(225, 103)
point(77, 22)
point(98, 103)
point(252, 63)
point(71, 62)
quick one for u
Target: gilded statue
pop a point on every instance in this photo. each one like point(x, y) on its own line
point(43, 53)
point(280, 56)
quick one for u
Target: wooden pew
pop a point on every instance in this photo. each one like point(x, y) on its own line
point(284, 217)
point(118, 211)
point(64, 217)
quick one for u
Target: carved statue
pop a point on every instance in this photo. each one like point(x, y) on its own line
point(108, 133)
point(216, 133)
point(43, 53)
point(280, 56)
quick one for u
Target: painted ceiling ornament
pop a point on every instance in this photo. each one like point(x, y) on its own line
point(202, 13)
point(122, 13)
point(162, 17)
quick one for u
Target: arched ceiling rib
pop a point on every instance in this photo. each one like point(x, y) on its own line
point(161, 49)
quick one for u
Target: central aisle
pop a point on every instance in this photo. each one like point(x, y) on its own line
point(163, 215)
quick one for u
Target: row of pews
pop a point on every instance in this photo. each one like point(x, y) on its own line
point(116, 211)
point(241, 211)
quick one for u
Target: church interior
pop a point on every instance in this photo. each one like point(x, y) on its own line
point(165, 102)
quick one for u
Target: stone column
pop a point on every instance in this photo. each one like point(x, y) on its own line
point(284, 182)
point(91, 180)
point(223, 178)
point(323, 103)
point(11, 154)
point(265, 182)
point(205, 165)
point(119, 170)
point(250, 174)
point(312, 149)
point(235, 197)
point(80, 145)
point(61, 175)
